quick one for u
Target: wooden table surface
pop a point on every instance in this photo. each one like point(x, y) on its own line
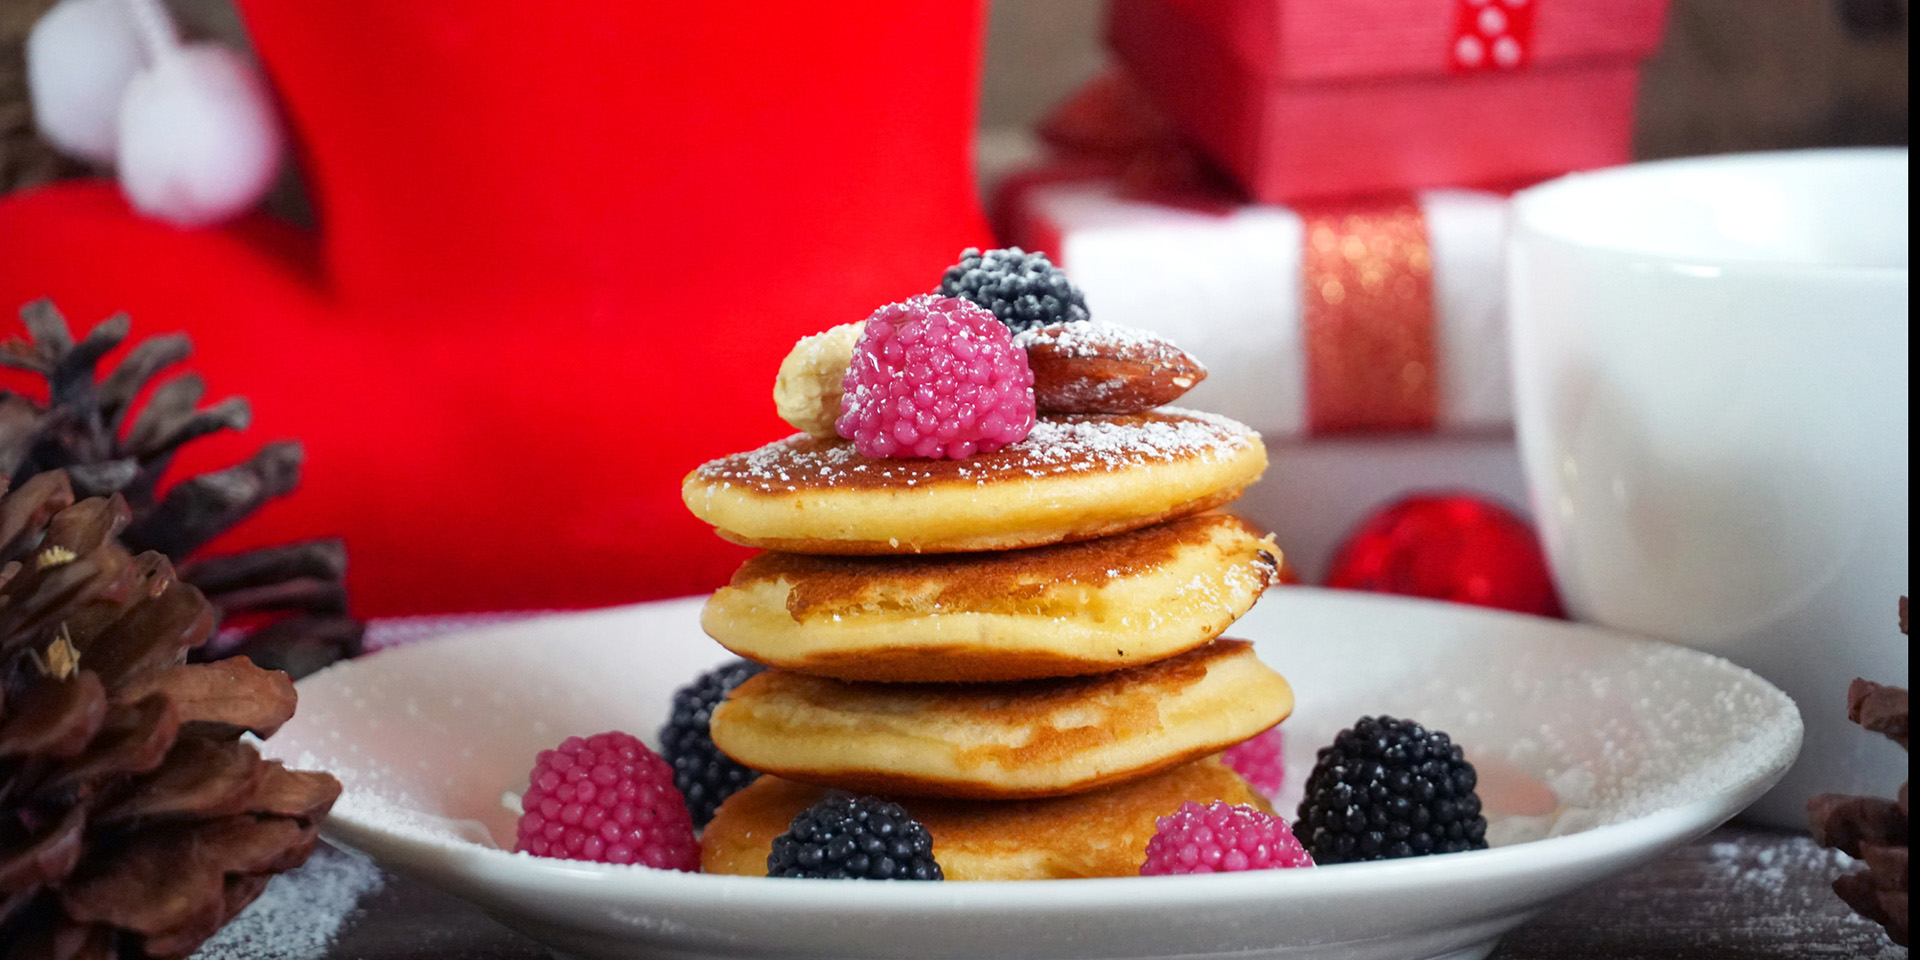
point(1737, 893)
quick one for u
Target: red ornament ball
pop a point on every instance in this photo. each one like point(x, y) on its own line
point(1449, 547)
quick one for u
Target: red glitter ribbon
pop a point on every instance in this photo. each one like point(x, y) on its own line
point(1367, 319)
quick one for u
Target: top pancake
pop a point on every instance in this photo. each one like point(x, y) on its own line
point(1074, 477)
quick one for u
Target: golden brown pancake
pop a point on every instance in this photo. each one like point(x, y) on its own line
point(1063, 610)
point(1099, 834)
point(1029, 738)
point(1074, 477)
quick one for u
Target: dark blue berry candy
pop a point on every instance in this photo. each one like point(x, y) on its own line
point(1024, 290)
point(854, 838)
point(704, 775)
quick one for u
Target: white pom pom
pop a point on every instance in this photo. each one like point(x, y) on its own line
point(79, 59)
point(199, 140)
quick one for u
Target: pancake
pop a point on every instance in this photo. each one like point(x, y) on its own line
point(1098, 834)
point(1068, 609)
point(1029, 738)
point(1074, 477)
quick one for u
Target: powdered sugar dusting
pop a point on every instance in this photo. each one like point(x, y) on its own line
point(1772, 873)
point(301, 912)
point(371, 802)
point(1091, 338)
point(1057, 446)
point(371, 796)
point(1664, 744)
point(1769, 868)
point(1094, 442)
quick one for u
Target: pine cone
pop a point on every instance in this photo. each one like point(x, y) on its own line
point(88, 428)
point(1870, 828)
point(134, 820)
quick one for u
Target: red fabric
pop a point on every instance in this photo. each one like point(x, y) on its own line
point(561, 254)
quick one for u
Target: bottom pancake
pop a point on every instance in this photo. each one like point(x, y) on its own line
point(1099, 834)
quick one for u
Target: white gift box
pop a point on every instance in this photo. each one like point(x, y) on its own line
point(1228, 289)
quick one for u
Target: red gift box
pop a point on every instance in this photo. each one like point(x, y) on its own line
point(1305, 99)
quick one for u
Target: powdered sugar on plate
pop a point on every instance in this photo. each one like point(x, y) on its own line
point(1615, 731)
point(406, 816)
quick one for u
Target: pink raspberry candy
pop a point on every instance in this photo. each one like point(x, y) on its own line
point(1218, 838)
point(1260, 760)
point(935, 377)
point(608, 799)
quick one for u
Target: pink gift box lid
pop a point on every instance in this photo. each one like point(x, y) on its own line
point(1317, 40)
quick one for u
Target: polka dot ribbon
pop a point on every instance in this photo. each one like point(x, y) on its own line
point(1368, 319)
point(1491, 35)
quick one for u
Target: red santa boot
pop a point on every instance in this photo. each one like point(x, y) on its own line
point(561, 251)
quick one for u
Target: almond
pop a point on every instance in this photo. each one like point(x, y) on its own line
point(807, 390)
point(1090, 367)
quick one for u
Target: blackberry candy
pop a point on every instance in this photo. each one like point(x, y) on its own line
point(854, 838)
point(1024, 290)
point(703, 774)
point(1390, 788)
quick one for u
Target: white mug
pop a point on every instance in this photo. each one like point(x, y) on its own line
point(1710, 394)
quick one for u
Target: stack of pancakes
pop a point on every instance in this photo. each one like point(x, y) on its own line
point(1019, 646)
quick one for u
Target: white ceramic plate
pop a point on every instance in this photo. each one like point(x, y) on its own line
point(1646, 745)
